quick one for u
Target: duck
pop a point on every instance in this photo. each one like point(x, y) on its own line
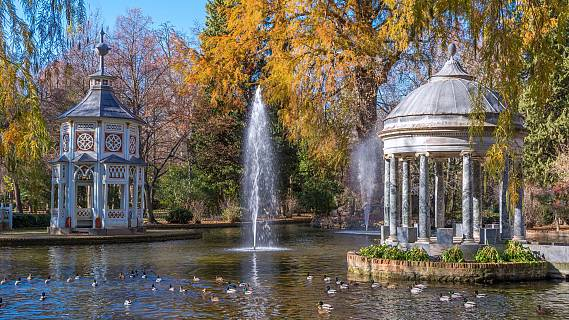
point(243, 284)
point(42, 297)
point(121, 277)
point(214, 299)
point(158, 279)
point(47, 280)
point(128, 302)
point(344, 285)
point(375, 285)
point(327, 279)
point(182, 290)
point(539, 310)
point(416, 290)
point(94, 284)
point(324, 307)
point(330, 290)
point(231, 290)
point(420, 286)
point(144, 275)
point(479, 295)
point(219, 279)
point(77, 277)
point(18, 282)
point(455, 295)
point(29, 276)
point(153, 287)
point(338, 282)
point(308, 277)
point(469, 304)
point(69, 280)
point(132, 274)
point(444, 298)
point(3, 281)
point(171, 288)
point(196, 279)
point(247, 291)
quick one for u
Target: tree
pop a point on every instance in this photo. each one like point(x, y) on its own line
point(322, 63)
point(143, 60)
point(28, 38)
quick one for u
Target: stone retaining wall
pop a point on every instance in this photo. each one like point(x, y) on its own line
point(445, 272)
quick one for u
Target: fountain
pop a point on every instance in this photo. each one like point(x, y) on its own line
point(365, 168)
point(259, 178)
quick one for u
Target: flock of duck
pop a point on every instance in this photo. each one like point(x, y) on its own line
point(234, 288)
point(229, 287)
point(416, 289)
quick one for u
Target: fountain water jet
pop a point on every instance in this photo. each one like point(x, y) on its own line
point(259, 179)
point(365, 168)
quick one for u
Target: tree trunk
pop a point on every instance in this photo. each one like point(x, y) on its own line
point(150, 202)
point(18, 197)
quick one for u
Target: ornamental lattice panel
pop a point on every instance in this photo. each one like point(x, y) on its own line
point(115, 214)
point(113, 142)
point(116, 172)
point(85, 141)
point(132, 145)
point(65, 142)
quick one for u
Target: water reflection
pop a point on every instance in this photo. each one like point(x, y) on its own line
point(278, 280)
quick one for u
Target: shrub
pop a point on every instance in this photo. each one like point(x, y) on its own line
point(516, 252)
point(22, 220)
point(488, 254)
point(198, 209)
point(231, 212)
point(373, 251)
point(453, 254)
point(416, 254)
point(394, 253)
point(179, 215)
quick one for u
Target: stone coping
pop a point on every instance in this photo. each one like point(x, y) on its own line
point(444, 271)
point(36, 238)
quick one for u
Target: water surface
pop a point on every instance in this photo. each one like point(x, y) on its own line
point(277, 278)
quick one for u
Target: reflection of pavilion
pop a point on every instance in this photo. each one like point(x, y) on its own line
point(97, 182)
point(432, 123)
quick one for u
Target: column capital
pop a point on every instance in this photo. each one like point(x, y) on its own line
point(468, 152)
point(418, 154)
point(390, 156)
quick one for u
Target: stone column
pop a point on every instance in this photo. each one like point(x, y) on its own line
point(467, 197)
point(476, 199)
point(439, 196)
point(405, 193)
point(386, 192)
point(519, 221)
point(505, 233)
point(423, 198)
point(392, 198)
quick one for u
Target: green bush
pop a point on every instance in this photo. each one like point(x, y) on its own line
point(488, 254)
point(231, 212)
point(516, 252)
point(394, 253)
point(179, 215)
point(416, 254)
point(20, 220)
point(453, 254)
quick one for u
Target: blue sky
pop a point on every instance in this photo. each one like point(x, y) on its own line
point(184, 15)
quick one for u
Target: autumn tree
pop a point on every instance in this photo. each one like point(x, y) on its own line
point(32, 32)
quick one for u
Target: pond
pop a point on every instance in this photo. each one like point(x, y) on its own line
point(277, 278)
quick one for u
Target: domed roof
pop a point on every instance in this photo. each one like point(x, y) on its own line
point(446, 100)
